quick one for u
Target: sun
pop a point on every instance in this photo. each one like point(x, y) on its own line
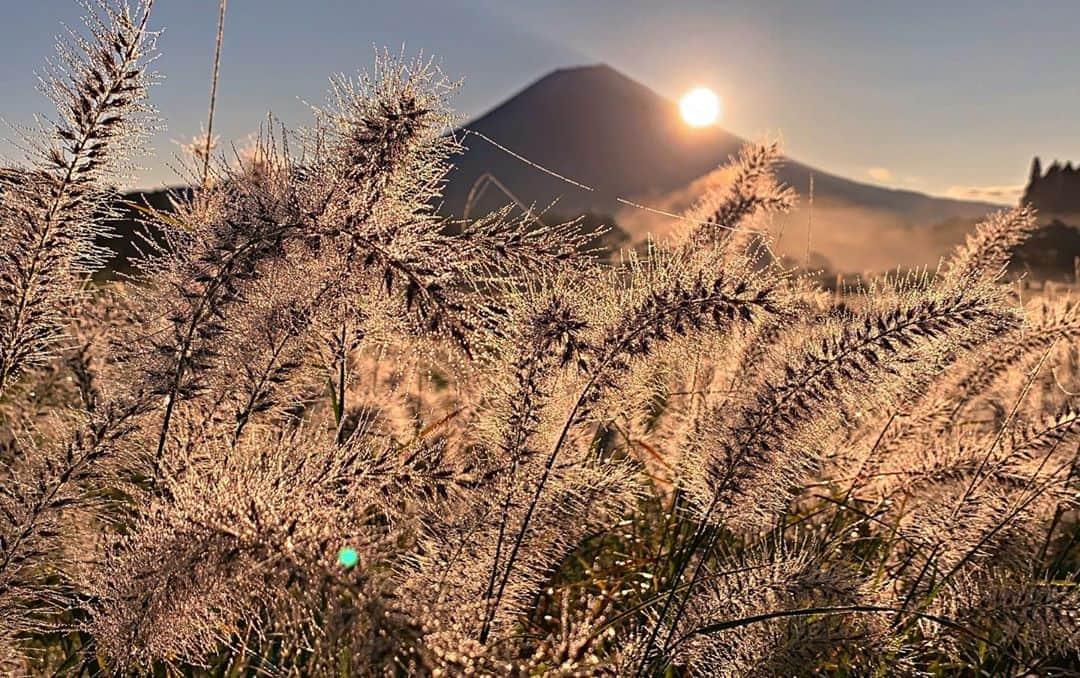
point(700, 107)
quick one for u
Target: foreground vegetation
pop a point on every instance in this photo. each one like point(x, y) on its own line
point(318, 432)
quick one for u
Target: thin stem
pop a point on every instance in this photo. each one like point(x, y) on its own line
point(213, 92)
point(978, 477)
point(684, 601)
point(858, 475)
point(197, 316)
point(342, 358)
point(520, 538)
point(680, 570)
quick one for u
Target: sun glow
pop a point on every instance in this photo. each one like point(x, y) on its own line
point(700, 107)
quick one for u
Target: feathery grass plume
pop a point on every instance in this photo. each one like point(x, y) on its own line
point(465, 544)
point(661, 300)
point(74, 378)
point(218, 242)
point(963, 384)
point(407, 480)
point(980, 505)
point(380, 155)
point(231, 542)
point(1038, 620)
point(724, 373)
point(985, 253)
point(549, 339)
point(666, 297)
point(983, 257)
point(88, 356)
point(746, 187)
point(547, 333)
point(51, 211)
point(1045, 325)
point(244, 227)
point(46, 492)
point(690, 263)
point(947, 523)
point(690, 258)
point(266, 367)
point(802, 301)
point(650, 415)
point(749, 461)
point(454, 574)
point(225, 239)
point(670, 294)
point(1035, 448)
point(956, 528)
point(919, 466)
point(383, 138)
point(1054, 433)
point(738, 600)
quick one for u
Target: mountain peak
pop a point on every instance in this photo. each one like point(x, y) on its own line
point(588, 84)
point(598, 78)
point(597, 125)
point(598, 72)
point(622, 140)
point(584, 69)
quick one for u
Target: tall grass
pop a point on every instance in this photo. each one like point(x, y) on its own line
point(325, 431)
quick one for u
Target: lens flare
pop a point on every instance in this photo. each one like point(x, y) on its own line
point(348, 557)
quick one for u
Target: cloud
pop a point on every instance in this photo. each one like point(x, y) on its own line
point(999, 194)
point(879, 174)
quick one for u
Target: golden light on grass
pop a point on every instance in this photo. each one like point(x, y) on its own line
point(700, 107)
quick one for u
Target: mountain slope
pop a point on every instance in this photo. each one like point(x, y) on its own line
point(603, 129)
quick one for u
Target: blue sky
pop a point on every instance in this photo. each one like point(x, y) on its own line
point(943, 97)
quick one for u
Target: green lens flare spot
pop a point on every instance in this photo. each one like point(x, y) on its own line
point(348, 557)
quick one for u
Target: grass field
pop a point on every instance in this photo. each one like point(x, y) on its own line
point(317, 432)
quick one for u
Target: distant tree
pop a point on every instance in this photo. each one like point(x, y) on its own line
point(1050, 253)
point(1057, 191)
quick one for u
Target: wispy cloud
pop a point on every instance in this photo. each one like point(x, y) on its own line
point(998, 194)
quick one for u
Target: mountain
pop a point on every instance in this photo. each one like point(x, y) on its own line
point(603, 129)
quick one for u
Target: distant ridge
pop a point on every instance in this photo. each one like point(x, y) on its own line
point(604, 129)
